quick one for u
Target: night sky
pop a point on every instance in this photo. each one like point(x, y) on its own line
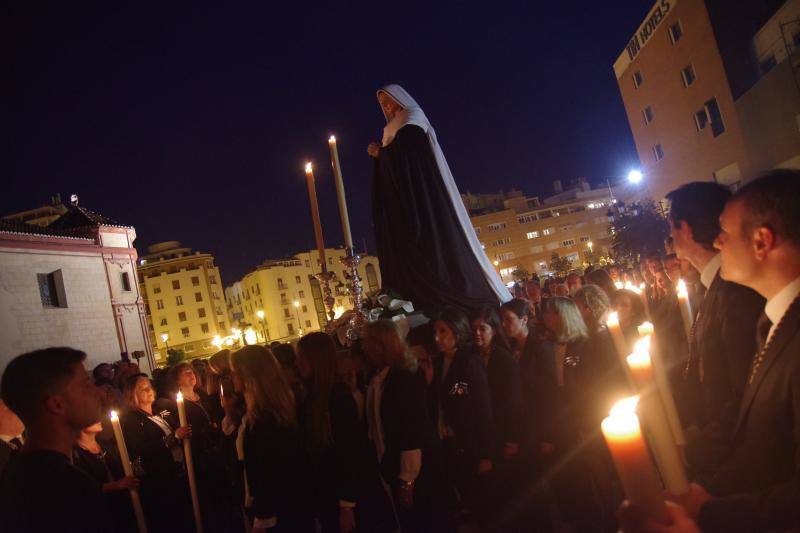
point(193, 123)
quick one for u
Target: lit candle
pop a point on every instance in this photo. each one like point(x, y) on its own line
point(666, 452)
point(337, 177)
point(623, 436)
point(685, 306)
point(662, 381)
point(619, 285)
point(136, 502)
point(643, 292)
point(312, 198)
point(620, 344)
point(187, 453)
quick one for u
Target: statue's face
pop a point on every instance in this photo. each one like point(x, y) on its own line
point(389, 105)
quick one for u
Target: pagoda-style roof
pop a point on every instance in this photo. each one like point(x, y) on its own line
point(23, 228)
point(79, 217)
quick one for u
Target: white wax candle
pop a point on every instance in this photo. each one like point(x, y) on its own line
point(685, 307)
point(340, 196)
point(127, 467)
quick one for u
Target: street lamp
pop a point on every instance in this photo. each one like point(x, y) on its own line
point(164, 339)
point(260, 315)
point(296, 305)
point(217, 341)
point(635, 176)
point(496, 262)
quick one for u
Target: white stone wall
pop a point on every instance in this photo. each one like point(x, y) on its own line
point(87, 323)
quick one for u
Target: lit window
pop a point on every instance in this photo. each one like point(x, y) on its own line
point(533, 234)
point(548, 231)
point(658, 152)
point(675, 32)
point(647, 112)
point(637, 79)
point(688, 75)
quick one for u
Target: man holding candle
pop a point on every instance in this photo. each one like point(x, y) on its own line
point(723, 340)
point(55, 397)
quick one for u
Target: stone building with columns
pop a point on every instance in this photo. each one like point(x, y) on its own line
point(72, 283)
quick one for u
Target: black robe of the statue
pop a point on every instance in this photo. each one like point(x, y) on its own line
point(424, 255)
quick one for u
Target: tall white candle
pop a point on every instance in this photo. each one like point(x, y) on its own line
point(685, 307)
point(662, 382)
point(666, 452)
point(620, 344)
point(187, 452)
point(340, 196)
point(127, 467)
point(312, 200)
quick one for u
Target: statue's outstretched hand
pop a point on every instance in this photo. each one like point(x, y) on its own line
point(373, 149)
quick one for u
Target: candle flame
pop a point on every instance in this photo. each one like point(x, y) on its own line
point(179, 396)
point(681, 289)
point(113, 416)
point(332, 139)
point(646, 328)
point(613, 319)
point(618, 285)
point(625, 406)
point(641, 286)
point(309, 168)
point(640, 358)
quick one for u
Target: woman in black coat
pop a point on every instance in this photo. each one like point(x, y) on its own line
point(401, 433)
point(335, 438)
point(156, 448)
point(463, 409)
point(275, 461)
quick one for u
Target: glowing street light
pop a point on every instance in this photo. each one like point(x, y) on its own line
point(260, 315)
point(635, 176)
point(296, 304)
point(217, 341)
point(590, 244)
point(496, 262)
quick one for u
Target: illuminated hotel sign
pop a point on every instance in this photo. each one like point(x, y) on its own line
point(642, 36)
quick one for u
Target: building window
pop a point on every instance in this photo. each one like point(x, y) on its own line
point(201, 312)
point(532, 234)
point(290, 328)
point(185, 332)
point(212, 280)
point(159, 304)
point(188, 348)
point(305, 309)
point(204, 327)
point(195, 281)
point(286, 313)
point(176, 284)
point(163, 322)
point(688, 75)
point(301, 294)
point(500, 242)
point(524, 219)
point(638, 79)
point(126, 282)
point(308, 265)
point(156, 289)
point(258, 289)
point(647, 112)
point(505, 256)
point(548, 231)
point(566, 227)
point(585, 238)
point(714, 117)
point(675, 32)
point(297, 280)
point(308, 323)
point(179, 300)
point(51, 289)
point(222, 326)
point(496, 226)
point(330, 260)
point(504, 272)
point(658, 152)
point(182, 316)
point(568, 242)
point(198, 297)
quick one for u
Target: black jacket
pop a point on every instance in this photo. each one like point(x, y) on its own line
point(758, 488)
point(463, 395)
point(505, 393)
point(277, 474)
point(720, 352)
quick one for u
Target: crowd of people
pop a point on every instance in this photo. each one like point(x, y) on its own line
point(485, 418)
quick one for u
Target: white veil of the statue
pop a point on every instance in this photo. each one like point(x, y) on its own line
point(412, 114)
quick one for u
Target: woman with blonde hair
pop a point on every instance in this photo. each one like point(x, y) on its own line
point(272, 445)
point(401, 431)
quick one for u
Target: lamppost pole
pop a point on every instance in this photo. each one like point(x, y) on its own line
point(260, 315)
point(297, 315)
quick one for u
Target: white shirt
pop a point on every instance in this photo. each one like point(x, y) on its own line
point(710, 271)
point(778, 305)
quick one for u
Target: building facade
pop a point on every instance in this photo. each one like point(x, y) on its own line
point(573, 223)
point(289, 297)
point(184, 300)
point(71, 283)
point(695, 94)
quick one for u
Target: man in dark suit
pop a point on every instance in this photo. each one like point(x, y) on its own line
point(758, 487)
point(55, 397)
point(723, 339)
